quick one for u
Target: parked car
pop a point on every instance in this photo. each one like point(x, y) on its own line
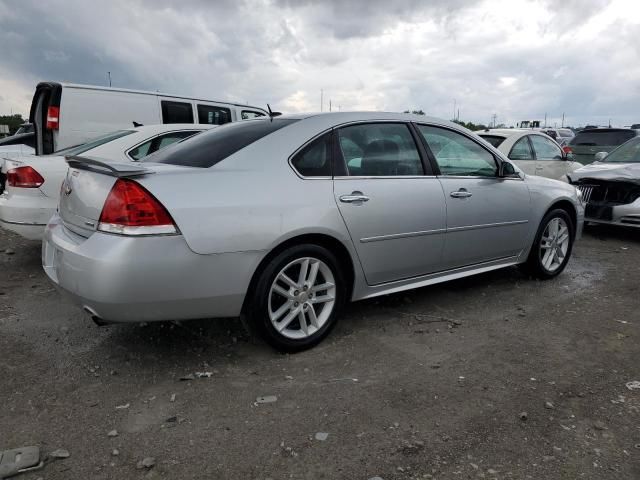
point(65, 114)
point(611, 186)
point(561, 135)
point(588, 142)
point(534, 152)
point(30, 186)
point(286, 219)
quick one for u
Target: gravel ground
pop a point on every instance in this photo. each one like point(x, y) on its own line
point(495, 376)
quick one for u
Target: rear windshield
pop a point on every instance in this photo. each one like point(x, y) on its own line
point(493, 140)
point(627, 153)
point(213, 146)
point(96, 142)
point(602, 138)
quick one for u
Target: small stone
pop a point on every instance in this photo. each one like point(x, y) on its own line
point(147, 462)
point(115, 452)
point(375, 478)
point(599, 425)
point(548, 458)
point(548, 405)
point(267, 399)
point(122, 407)
point(557, 449)
point(524, 416)
point(491, 471)
point(112, 433)
point(9, 251)
point(173, 397)
point(173, 419)
point(60, 453)
point(322, 436)
point(186, 378)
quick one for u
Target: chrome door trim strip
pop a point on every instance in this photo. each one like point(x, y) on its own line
point(486, 225)
point(402, 235)
point(394, 236)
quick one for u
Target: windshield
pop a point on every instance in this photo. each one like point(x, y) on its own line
point(626, 153)
point(96, 142)
point(493, 139)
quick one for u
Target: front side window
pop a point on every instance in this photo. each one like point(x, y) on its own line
point(248, 114)
point(379, 150)
point(521, 150)
point(545, 149)
point(176, 112)
point(212, 115)
point(159, 142)
point(315, 159)
point(457, 154)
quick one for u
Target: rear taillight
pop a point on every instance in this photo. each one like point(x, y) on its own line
point(24, 177)
point(131, 210)
point(567, 149)
point(53, 118)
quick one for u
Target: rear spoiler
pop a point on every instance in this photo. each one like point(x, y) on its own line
point(106, 168)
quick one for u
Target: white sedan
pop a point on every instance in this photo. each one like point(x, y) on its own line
point(30, 185)
point(533, 151)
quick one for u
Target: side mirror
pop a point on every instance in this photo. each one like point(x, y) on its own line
point(506, 170)
point(600, 156)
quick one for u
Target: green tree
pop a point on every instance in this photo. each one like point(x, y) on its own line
point(14, 121)
point(415, 112)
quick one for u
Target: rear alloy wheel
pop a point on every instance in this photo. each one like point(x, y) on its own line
point(298, 297)
point(552, 247)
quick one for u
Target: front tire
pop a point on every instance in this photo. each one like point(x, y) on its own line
point(552, 246)
point(298, 297)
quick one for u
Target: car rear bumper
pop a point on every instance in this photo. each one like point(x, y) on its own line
point(128, 279)
point(26, 213)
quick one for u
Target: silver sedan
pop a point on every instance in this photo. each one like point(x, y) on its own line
point(286, 219)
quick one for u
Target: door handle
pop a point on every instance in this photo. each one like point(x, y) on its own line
point(462, 193)
point(539, 168)
point(355, 197)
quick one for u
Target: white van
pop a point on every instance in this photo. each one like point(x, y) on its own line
point(65, 114)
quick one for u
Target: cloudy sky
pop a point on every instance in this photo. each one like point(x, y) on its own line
point(517, 59)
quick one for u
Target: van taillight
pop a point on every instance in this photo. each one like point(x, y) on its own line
point(53, 118)
point(131, 210)
point(567, 149)
point(24, 177)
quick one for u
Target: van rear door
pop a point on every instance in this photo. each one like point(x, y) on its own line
point(45, 116)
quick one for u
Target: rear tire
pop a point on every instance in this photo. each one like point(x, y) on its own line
point(298, 297)
point(552, 246)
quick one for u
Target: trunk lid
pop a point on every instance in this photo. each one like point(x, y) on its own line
point(85, 189)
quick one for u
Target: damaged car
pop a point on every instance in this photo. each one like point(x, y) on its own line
point(610, 186)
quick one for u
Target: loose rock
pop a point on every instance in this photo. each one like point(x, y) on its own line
point(60, 453)
point(322, 436)
point(147, 462)
point(112, 433)
point(548, 405)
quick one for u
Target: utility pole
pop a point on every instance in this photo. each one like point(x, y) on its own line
point(454, 108)
point(321, 99)
point(494, 120)
point(545, 119)
point(458, 117)
point(562, 119)
point(109, 75)
point(329, 104)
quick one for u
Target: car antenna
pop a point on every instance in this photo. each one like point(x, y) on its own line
point(271, 115)
point(136, 124)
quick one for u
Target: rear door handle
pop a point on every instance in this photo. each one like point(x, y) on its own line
point(355, 197)
point(462, 193)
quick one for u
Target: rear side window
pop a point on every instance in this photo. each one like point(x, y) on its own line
point(521, 150)
point(158, 143)
point(176, 112)
point(212, 115)
point(315, 159)
point(247, 114)
point(493, 140)
point(602, 138)
point(213, 146)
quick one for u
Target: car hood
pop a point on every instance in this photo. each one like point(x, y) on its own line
point(620, 172)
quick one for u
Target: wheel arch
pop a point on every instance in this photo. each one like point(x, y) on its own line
point(568, 207)
point(331, 243)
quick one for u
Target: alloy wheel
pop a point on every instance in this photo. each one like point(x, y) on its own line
point(554, 244)
point(302, 297)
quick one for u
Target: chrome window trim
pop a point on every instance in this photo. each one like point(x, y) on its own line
point(381, 177)
point(486, 225)
point(402, 235)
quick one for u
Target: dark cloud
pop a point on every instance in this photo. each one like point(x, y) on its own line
point(517, 59)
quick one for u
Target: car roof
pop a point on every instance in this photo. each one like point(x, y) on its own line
point(506, 132)
point(336, 118)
